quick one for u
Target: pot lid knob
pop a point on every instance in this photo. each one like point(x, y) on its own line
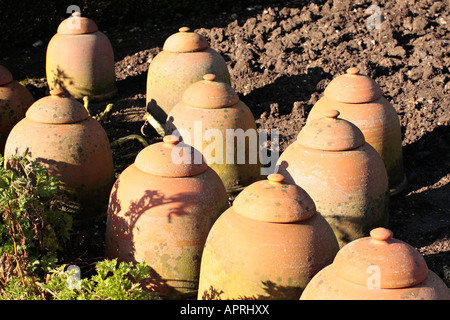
point(171, 140)
point(331, 113)
point(393, 262)
point(5, 76)
point(381, 234)
point(76, 24)
point(209, 77)
point(273, 200)
point(184, 29)
point(210, 94)
point(353, 71)
point(171, 158)
point(185, 41)
point(57, 92)
point(353, 87)
point(330, 133)
point(275, 178)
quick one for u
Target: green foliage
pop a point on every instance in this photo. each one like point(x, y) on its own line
point(34, 227)
point(113, 281)
point(16, 289)
point(33, 223)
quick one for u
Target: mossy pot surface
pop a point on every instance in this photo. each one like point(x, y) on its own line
point(15, 100)
point(268, 245)
point(161, 211)
point(80, 60)
point(211, 116)
point(378, 267)
point(360, 100)
point(74, 147)
point(343, 174)
point(186, 57)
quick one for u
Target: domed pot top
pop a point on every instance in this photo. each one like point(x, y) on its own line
point(76, 24)
point(58, 108)
point(171, 158)
point(330, 133)
point(400, 264)
point(353, 87)
point(185, 41)
point(5, 76)
point(210, 94)
point(273, 200)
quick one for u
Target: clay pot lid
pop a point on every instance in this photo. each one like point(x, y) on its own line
point(76, 24)
point(353, 87)
point(210, 94)
point(273, 200)
point(330, 133)
point(58, 108)
point(185, 41)
point(5, 76)
point(171, 158)
point(397, 264)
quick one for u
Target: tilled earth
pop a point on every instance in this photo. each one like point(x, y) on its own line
point(280, 60)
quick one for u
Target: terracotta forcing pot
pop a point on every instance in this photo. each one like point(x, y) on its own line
point(378, 267)
point(160, 212)
point(15, 100)
point(58, 132)
point(342, 173)
point(268, 245)
point(359, 99)
point(80, 60)
point(185, 57)
point(211, 118)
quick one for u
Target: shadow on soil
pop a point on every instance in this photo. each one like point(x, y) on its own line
point(285, 91)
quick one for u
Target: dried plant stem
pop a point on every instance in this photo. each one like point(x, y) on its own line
point(106, 112)
point(121, 141)
point(155, 124)
point(86, 104)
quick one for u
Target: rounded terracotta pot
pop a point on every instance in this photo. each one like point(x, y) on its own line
point(343, 174)
point(185, 57)
point(160, 212)
point(378, 267)
point(80, 60)
point(211, 118)
point(360, 100)
point(268, 245)
point(58, 132)
point(15, 100)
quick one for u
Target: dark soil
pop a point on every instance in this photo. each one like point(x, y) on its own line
point(280, 60)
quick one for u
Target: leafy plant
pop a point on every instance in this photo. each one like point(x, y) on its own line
point(34, 227)
point(113, 281)
point(33, 223)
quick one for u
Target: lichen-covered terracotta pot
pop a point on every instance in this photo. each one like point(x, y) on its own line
point(211, 118)
point(342, 173)
point(160, 212)
point(80, 60)
point(378, 267)
point(58, 132)
point(15, 100)
point(360, 100)
point(268, 245)
point(185, 57)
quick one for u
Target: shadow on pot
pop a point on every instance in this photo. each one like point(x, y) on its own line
point(123, 236)
point(60, 79)
point(273, 292)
